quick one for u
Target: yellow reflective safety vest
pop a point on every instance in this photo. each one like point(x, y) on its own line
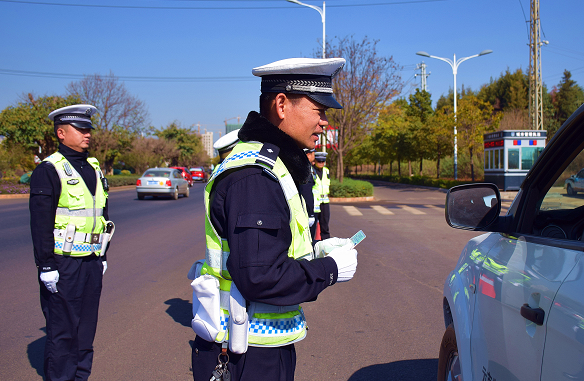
point(269, 325)
point(79, 219)
point(316, 189)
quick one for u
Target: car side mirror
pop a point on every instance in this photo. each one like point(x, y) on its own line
point(472, 206)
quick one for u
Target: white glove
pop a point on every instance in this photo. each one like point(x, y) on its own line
point(104, 267)
point(310, 221)
point(346, 260)
point(50, 279)
point(323, 248)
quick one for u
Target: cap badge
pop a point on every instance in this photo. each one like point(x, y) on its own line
point(288, 87)
point(88, 112)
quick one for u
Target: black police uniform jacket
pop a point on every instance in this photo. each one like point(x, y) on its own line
point(45, 190)
point(258, 260)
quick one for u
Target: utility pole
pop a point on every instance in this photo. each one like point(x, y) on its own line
point(422, 67)
point(535, 79)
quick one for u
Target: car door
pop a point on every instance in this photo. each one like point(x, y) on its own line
point(528, 311)
point(579, 181)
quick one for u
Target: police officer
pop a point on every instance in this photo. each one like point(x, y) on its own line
point(307, 192)
point(257, 268)
point(323, 183)
point(225, 144)
point(68, 218)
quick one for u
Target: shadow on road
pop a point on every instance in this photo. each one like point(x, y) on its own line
point(180, 310)
point(35, 351)
point(410, 370)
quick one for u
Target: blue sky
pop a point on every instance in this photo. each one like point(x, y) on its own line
point(219, 42)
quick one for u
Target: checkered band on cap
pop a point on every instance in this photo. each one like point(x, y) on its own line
point(300, 84)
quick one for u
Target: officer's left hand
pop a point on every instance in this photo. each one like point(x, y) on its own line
point(104, 267)
point(311, 221)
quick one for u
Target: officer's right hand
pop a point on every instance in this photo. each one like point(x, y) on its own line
point(346, 259)
point(50, 279)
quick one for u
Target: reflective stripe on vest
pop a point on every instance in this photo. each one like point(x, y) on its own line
point(326, 185)
point(316, 191)
point(269, 326)
point(79, 207)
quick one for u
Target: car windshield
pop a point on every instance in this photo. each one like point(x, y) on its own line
point(196, 169)
point(157, 173)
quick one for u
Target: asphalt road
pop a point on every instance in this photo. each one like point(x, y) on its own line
point(385, 324)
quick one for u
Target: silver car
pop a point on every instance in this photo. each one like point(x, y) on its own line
point(162, 182)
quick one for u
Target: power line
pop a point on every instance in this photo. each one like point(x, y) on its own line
point(208, 8)
point(23, 73)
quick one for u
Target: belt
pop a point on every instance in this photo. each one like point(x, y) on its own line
point(79, 237)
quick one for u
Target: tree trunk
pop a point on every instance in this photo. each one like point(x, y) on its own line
point(340, 168)
point(471, 165)
point(375, 168)
point(391, 167)
point(398, 166)
point(421, 161)
point(409, 168)
point(438, 166)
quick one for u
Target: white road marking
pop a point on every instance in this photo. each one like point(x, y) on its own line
point(381, 210)
point(410, 209)
point(434, 207)
point(352, 211)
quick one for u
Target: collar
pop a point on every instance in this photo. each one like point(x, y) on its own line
point(71, 154)
point(258, 128)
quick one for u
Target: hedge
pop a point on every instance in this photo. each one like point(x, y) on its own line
point(415, 180)
point(350, 188)
point(121, 180)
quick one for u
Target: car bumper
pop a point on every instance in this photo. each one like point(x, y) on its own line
point(154, 191)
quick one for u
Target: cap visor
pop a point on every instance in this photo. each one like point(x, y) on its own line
point(81, 125)
point(325, 100)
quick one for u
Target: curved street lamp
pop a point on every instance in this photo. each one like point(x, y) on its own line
point(454, 63)
point(322, 16)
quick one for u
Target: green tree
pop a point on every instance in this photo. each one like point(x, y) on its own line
point(27, 124)
point(149, 152)
point(568, 98)
point(474, 118)
point(441, 137)
point(394, 135)
point(419, 111)
point(188, 144)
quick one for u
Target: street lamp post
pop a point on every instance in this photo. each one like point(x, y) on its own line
point(454, 63)
point(322, 12)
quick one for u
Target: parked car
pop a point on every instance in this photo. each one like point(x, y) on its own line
point(186, 174)
point(513, 305)
point(575, 183)
point(198, 174)
point(162, 182)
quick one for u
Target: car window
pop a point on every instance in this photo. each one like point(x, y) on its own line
point(196, 169)
point(177, 175)
point(561, 212)
point(156, 173)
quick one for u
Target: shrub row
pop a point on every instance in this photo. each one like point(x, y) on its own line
point(350, 188)
point(121, 180)
point(415, 180)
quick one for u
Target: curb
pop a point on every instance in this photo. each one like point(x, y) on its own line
point(27, 195)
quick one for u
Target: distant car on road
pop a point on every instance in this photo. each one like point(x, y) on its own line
point(198, 174)
point(162, 182)
point(186, 174)
point(575, 183)
point(513, 305)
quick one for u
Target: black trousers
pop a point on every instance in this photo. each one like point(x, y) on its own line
point(258, 363)
point(324, 218)
point(71, 316)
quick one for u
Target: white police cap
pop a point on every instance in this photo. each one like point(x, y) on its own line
point(309, 76)
point(76, 115)
point(320, 156)
point(227, 141)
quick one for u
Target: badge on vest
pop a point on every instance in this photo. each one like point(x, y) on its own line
point(72, 181)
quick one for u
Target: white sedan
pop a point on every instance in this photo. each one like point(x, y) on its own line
point(162, 182)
